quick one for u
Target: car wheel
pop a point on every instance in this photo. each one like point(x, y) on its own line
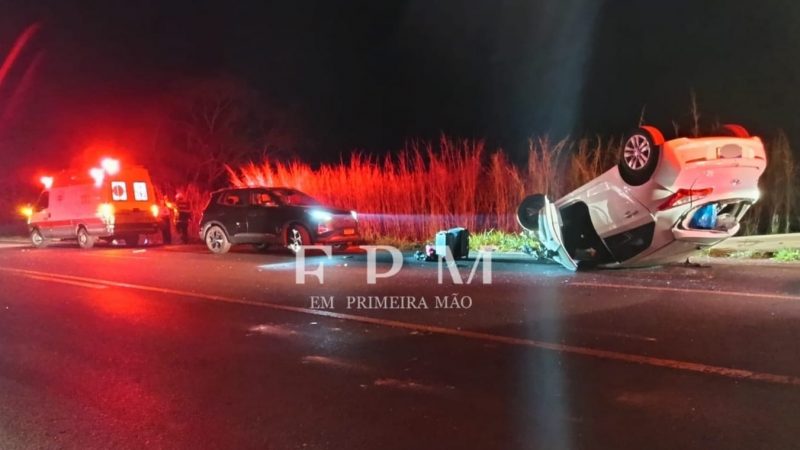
point(640, 155)
point(85, 241)
point(37, 239)
point(296, 237)
point(528, 211)
point(734, 130)
point(216, 240)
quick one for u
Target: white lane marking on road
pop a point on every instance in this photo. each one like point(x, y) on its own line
point(66, 281)
point(408, 385)
point(338, 363)
point(271, 330)
point(687, 290)
point(13, 245)
point(727, 372)
point(636, 337)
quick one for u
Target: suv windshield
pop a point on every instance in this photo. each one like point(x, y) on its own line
point(293, 197)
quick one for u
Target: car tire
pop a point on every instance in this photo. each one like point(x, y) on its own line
point(296, 237)
point(85, 240)
point(528, 212)
point(640, 155)
point(733, 130)
point(37, 239)
point(217, 240)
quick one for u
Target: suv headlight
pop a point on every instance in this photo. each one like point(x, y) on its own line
point(322, 216)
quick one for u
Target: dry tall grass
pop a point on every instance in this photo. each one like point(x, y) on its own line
point(777, 211)
point(427, 187)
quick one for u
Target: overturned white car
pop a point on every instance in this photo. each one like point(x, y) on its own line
point(663, 201)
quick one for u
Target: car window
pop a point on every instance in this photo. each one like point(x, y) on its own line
point(294, 197)
point(43, 202)
point(119, 191)
point(263, 198)
point(233, 199)
point(140, 191)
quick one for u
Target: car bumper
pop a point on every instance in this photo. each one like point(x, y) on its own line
point(338, 237)
point(704, 237)
point(120, 229)
point(678, 247)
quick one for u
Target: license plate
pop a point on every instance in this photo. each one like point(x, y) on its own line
point(349, 231)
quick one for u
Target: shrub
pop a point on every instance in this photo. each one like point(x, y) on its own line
point(423, 188)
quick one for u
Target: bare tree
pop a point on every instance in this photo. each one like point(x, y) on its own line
point(217, 121)
point(209, 126)
point(694, 112)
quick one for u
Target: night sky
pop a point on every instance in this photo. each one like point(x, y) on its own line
point(371, 74)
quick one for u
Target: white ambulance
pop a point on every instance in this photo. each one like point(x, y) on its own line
point(107, 203)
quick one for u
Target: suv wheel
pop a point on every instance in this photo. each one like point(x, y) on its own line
point(296, 237)
point(216, 240)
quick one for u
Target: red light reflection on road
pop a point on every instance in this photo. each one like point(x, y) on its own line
point(123, 304)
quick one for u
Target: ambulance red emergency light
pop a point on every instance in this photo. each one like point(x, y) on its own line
point(109, 202)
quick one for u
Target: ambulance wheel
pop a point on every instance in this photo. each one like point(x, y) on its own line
point(84, 239)
point(216, 240)
point(640, 155)
point(37, 239)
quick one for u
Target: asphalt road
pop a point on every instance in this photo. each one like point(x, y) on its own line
point(173, 347)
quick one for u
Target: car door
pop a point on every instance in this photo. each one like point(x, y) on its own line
point(550, 236)
point(234, 211)
point(263, 216)
point(614, 209)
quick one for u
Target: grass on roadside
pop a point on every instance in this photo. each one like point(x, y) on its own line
point(787, 255)
point(493, 240)
point(783, 255)
point(503, 242)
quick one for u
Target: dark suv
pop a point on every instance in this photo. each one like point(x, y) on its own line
point(273, 216)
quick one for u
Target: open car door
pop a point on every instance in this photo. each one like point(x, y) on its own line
point(550, 236)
